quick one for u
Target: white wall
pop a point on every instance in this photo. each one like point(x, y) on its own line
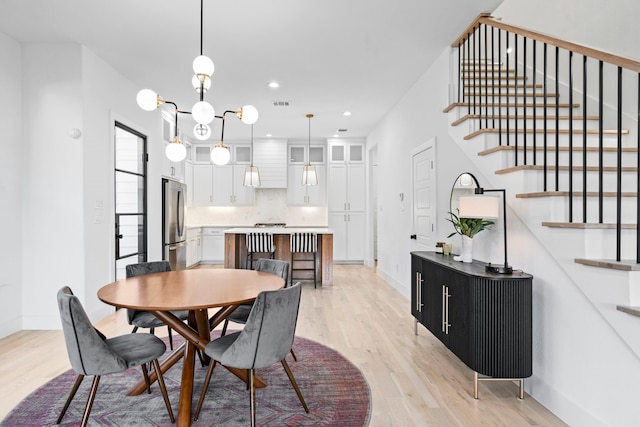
point(582, 370)
point(58, 189)
point(11, 179)
point(52, 216)
point(611, 25)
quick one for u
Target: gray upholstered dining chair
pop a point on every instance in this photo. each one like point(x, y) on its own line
point(274, 266)
point(144, 319)
point(91, 353)
point(265, 340)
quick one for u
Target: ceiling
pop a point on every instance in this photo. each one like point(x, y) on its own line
point(329, 56)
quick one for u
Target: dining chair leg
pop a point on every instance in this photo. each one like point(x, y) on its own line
point(205, 387)
point(224, 327)
point(72, 393)
point(163, 389)
point(170, 337)
point(145, 374)
point(252, 398)
point(135, 328)
point(92, 396)
point(295, 359)
point(285, 365)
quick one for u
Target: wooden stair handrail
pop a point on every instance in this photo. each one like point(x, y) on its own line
point(600, 55)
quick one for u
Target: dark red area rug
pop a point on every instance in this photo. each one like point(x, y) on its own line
point(335, 391)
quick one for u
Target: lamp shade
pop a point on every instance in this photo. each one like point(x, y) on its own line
point(479, 207)
point(220, 155)
point(176, 151)
point(203, 112)
point(251, 176)
point(249, 114)
point(147, 99)
point(203, 65)
point(309, 175)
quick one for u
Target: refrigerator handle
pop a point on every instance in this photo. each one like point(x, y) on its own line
point(180, 216)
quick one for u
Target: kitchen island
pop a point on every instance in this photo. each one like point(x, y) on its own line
point(235, 248)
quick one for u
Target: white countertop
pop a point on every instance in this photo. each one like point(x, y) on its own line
point(279, 230)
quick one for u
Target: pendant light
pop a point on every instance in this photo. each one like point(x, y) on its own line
point(251, 174)
point(309, 174)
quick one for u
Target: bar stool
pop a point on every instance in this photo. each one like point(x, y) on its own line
point(259, 243)
point(304, 244)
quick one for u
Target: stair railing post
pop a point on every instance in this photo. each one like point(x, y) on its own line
point(535, 101)
point(600, 143)
point(544, 115)
point(570, 136)
point(619, 173)
point(584, 138)
point(524, 100)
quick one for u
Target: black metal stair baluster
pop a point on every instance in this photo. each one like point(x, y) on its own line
point(544, 114)
point(515, 96)
point(557, 103)
point(493, 79)
point(570, 136)
point(472, 88)
point(506, 78)
point(500, 88)
point(638, 177)
point(486, 80)
point(600, 143)
point(459, 72)
point(584, 138)
point(524, 100)
point(466, 73)
point(619, 177)
point(535, 102)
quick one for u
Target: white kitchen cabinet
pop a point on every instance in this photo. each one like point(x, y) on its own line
point(202, 185)
point(306, 195)
point(212, 245)
point(194, 246)
point(229, 187)
point(347, 187)
point(348, 236)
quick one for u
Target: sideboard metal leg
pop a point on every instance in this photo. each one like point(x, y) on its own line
point(521, 388)
point(475, 385)
point(415, 326)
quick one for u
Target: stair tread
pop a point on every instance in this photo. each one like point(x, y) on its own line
point(588, 225)
point(528, 105)
point(633, 310)
point(512, 94)
point(553, 148)
point(564, 168)
point(542, 131)
point(519, 117)
point(537, 194)
point(626, 265)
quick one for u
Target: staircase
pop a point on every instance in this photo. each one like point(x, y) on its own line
point(557, 123)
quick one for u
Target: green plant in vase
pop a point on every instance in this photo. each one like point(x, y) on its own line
point(467, 228)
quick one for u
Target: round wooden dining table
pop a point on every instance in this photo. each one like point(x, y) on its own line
point(197, 291)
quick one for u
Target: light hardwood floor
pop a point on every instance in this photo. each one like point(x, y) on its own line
point(414, 380)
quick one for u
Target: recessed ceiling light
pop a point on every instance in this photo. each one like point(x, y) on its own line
point(335, 135)
point(347, 113)
point(274, 85)
point(268, 135)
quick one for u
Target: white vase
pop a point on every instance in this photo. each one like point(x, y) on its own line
point(466, 254)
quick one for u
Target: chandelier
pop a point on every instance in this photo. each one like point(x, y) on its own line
point(202, 112)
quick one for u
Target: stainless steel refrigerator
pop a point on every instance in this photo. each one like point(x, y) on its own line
point(174, 232)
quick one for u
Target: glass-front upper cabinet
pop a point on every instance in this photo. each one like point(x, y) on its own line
point(298, 154)
point(346, 152)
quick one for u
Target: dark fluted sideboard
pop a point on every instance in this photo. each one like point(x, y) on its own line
point(485, 319)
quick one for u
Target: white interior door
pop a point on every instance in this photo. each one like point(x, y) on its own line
point(424, 197)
